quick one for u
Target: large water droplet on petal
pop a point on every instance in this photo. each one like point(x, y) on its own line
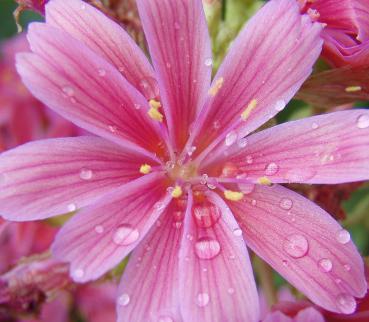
point(286, 203)
point(149, 87)
point(67, 90)
point(296, 246)
point(363, 121)
point(325, 265)
point(206, 215)
point(237, 232)
point(85, 174)
point(125, 235)
point(249, 159)
point(123, 299)
point(280, 105)
point(78, 273)
point(208, 62)
point(231, 138)
point(202, 299)
point(346, 303)
point(271, 169)
point(72, 207)
point(343, 236)
point(99, 229)
point(207, 248)
point(101, 72)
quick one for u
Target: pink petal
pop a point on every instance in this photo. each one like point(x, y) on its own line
point(277, 317)
point(149, 288)
point(51, 177)
point(93, 95)
point(101, 235)
point(216, 280)
point(304, 244)
point(180, 48)
point(106, 38)
point(268, 62)
point(330, 148)
point(309, 315)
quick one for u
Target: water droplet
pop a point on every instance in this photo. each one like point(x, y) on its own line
point(314, 126)
point(231, 290)
point(237, 232)
point(123, 299)
point(296, 246)
point(101, 72)
point(191, 150)
point(78, 273)
point(159, 206)
point(249, 159)
point(149, 87)
point(242, 142)
point(363, 121)
point(285, 263)
point(325, 265)
point(229, 170)
point(271, 169)
point(206, 215)
point(286, 203)
point(165, 319)
point(83, 6)
point(207, 248)
point(346, 303)
point(230, 138)
point(137, 106)
point(343, 236)
point(202, 299)
point(300, 175)
point(347, 267)
point(99, 229)
point(280, 105)
point(72, 207)
point(112, 128)
point(204, 178)
point(169, 165)
point(85, 174)
point(189, 237)
point(67, 90)
point(125, 235)
point(211, 186)
point(246, 188)
point(254, 202)
point(208, 62)
point(216, 125)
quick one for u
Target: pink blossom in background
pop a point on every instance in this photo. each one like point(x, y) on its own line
point(346, 36)
point(170, 175)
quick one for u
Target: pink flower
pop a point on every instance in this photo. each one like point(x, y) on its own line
point(346, 36)
point(171, 177)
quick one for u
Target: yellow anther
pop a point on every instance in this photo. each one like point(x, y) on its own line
point(246, 113)
point(155, 114)
point(352, 89)
point(216, 87)
point(154, 104)
point(265, 181)
point(177, 192)
point(145, 168)
point(233, 195)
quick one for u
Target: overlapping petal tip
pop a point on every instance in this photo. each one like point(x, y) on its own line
point(309, 315)
point(93, 95)
point(304, 244)
point(98, 237)
point(277, 317)
point(216, 280)
point(333, 148)
point(149, 287)
point(106, 38)
point(264, 68)
point(180, 49)
point(52, 177)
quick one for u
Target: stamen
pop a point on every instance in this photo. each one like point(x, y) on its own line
point(216, 87)
point(154, 104)
point(177, 192)
point(155, 114)
point(265, 181)
point(233, 195)
point(352, 89)
point(145, 168)
point(246, 113)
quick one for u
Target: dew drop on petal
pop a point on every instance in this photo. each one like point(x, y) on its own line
point(191, 150)
point(206, 215)
point(242, 142)
point(67, 90)
point(296, 246)
point(286, 203)
point(249, 159)
point(137, 106)
point(207, 248)
point(231, 290)
point(363, 121)
point(72, 207)
point(149, 87)
point(123, 299)
point(325, 265)
point(254, 202)
point(271, 169)
point(101, 72)
point(347, 267)
point(78, 273)
point(343, 236)
point(237, 232)
point(165, 319)
point(346, 303)
point(208, 62)
point(230, 138)
point(202, 299)
point(280, 105)
point(85, 174)
point(125, 235)
point(112, 128)
point(99, 229)
point(314, 126)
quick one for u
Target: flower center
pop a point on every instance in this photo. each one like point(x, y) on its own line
point(183, 172)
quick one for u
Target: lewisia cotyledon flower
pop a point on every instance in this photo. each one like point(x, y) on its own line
point(173, 175)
